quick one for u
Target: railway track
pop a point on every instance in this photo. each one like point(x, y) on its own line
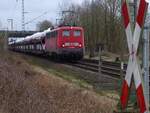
point(112, 69)
point(107, 68)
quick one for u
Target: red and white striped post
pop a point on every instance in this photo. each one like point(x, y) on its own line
point(133, 67)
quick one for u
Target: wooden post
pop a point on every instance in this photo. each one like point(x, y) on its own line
point(6, 40)
point(100, 60)
point(121, 71)
point(121, 53)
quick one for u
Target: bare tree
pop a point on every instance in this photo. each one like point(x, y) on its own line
point(101, 20)
point(0, 24)
point(44, 25)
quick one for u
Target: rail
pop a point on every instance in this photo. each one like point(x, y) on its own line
point(109, 68)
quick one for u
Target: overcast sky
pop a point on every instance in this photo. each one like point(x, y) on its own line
point(11, 9)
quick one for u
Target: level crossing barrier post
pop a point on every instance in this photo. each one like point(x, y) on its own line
point(133, 68)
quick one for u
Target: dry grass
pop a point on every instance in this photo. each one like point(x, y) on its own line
point(24, 90)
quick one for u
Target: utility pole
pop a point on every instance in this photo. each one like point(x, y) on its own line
point(23, 16)
point(70, 17)
point(11, 22)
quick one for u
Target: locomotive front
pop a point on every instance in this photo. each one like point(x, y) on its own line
point(71, 42)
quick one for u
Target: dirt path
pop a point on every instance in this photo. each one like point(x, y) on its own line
point(24, 90)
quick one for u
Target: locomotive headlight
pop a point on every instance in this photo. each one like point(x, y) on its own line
point(80, 45)
point(63, 45)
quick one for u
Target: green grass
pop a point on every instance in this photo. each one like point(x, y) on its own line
point(70, 77)
point(63, 73)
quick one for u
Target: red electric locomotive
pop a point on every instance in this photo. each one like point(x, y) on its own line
point(65, 42)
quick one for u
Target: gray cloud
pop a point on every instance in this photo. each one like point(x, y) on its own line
point(12, 9)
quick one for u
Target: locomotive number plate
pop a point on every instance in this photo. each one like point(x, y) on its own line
point(72, 44)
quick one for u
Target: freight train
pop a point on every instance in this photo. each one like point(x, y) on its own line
point(63, 42)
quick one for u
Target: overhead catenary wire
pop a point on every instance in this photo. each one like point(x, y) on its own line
point(14, 8)
point(23, 14)
point(32, 20)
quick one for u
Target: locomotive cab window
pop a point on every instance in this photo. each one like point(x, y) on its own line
point(77, 33)
point(66, 33)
